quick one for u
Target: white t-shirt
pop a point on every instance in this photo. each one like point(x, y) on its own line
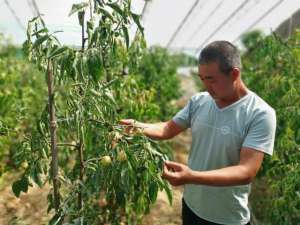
point(217, 138)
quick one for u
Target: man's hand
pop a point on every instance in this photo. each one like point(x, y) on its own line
point(177, 173)
point(157, 131)
point(132, 126)
point(128, 122)
point(241, 174)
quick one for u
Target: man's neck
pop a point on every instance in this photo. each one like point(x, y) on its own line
point(240, 91)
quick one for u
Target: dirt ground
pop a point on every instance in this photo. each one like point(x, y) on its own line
point(31, 207)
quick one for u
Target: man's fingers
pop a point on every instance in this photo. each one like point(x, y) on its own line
point(128, 122)
point(175, 173)
point(124, 122)
point(173, 165)
point(167, 173)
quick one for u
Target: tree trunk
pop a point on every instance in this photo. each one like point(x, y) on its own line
point(53, 127)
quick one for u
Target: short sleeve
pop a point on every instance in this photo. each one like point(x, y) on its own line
point(261, 133)
point(183, 117)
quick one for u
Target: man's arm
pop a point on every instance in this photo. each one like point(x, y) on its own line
point(243, 173)
point(158, 131)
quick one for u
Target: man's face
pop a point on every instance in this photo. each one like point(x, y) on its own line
point(216, 83)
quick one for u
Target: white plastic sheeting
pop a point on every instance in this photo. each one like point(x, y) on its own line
point(161, 19)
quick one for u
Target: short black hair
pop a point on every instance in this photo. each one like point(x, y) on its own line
point(222, 52)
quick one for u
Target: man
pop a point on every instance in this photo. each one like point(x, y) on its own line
point(232, 128)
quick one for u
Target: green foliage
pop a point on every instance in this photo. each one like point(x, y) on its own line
point(21, 95)
point(20, 185)
point(251, 39)
point(79, 7)
point(272, 71)
point(157, 72)
point(182, 59)
point(105, 174)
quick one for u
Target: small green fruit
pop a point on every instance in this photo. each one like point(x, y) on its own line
point(121, 156)
point(105, 160)
point(24, 165)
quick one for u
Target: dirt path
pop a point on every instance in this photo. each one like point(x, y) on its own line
point(31, 208)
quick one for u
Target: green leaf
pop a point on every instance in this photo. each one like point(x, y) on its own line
point(89, 30)
point(153, 190)
point(126, 35)
point(78, 7)
point(136, 19)
point(34, 19)
point(38, 20)
point(75, 71)
point(81, 18)
point(90, 25)
point(56, 219)
point(96, 93)
point(20, 185)
point(117, 8)
point(110, 96)
point(110, 83)
point(35, 174)
point(54, 39)
point(58, 52)
point(107, 14)
point(40, 127)
point(50, 202)
point(95, 36)
point(40, 40)
point(143, 43)
point(168, 190)
point(82, 66)
point(29, 31)
point(44, 30)
point(94, 64)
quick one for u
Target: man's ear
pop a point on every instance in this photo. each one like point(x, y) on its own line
point(235, 73)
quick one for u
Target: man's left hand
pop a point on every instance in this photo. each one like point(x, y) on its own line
point(177, 173)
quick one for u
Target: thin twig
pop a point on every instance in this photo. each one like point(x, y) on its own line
point(66, 144)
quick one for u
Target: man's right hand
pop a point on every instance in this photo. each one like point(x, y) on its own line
point(128, 122)
point(131, 125)
point(159, 131)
